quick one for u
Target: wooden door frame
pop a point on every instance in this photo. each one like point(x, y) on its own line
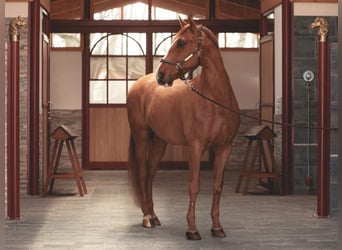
point(35, 56)
point(287, 88)
point(34, 40)
point(86, 163)
point(267, 39)
point(46, 121)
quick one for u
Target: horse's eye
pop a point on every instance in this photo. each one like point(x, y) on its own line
point(181, 43)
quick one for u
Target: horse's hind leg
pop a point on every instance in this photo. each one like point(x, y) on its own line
point(141, 143)
point(157, 149)
point(140, 172)
point(220, 157)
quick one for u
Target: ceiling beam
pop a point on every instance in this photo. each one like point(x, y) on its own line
point(234, 10)
point(122, 26)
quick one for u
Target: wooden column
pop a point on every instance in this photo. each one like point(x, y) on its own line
point(323, 136)
point(13, 72)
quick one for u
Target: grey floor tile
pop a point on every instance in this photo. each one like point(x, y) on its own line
point(107, 218)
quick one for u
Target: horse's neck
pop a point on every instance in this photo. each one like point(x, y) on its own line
point(214, 79)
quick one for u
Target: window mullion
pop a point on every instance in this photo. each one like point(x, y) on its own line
point(107, 75)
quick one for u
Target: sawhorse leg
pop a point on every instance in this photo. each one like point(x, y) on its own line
point(77, 171)
point(250, 171)
point(244, 167)
point(55, 157)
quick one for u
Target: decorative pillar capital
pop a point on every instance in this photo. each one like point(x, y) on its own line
point(14, 28)
point(323, 30)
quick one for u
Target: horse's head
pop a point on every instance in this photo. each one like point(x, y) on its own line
point(183, 56)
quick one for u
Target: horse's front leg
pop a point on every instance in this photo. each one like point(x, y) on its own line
point(194, 184)
point(220, 157)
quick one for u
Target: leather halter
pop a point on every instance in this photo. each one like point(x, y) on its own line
point(180, 63)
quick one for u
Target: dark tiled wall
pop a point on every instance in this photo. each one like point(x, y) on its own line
point(306, 58)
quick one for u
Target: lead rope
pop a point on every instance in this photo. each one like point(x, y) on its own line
point(193, 88)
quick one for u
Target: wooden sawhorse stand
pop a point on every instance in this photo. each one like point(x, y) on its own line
point(63, 135)
point(262, 136)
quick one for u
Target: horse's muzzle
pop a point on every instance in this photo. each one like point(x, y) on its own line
point(162, 81)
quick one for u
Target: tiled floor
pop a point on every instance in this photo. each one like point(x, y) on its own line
point(107, 218)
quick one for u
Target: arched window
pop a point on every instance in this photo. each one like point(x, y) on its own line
point(116, 61)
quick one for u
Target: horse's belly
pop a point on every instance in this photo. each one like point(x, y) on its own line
point(166, 129)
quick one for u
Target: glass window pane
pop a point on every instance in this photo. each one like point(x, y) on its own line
point(156, 62)
point(135, 11)
point(111, 14)
point(136, 67)
point(117, 45)
point(117, 67)
point(130, 84)
point(66, 40)
point(98, 44)
point(98, 68)
point(127, 44)
point(136, 44)
point(222, 40)
point(238, 40)
point(164, 14)
point(161, 43)
point(117, 92)
point(98, 92)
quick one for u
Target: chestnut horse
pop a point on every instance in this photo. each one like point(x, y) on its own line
point(163, 109)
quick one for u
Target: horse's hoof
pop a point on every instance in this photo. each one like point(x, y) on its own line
point(148, 223)
point(193, 235)
point(156, 221)
point(218, 233)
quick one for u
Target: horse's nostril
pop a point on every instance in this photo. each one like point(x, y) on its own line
point(160, 77)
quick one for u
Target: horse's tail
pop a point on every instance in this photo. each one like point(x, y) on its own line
point(133, 175)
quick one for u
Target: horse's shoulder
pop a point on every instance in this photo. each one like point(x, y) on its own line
point(143, 87)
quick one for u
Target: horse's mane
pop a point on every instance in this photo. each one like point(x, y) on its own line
point(210, 34)
point(207, 31)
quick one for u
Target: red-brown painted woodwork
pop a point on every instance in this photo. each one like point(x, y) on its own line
point(33, 102)
point(323, 137)
point(13, 187)
point(287, 132)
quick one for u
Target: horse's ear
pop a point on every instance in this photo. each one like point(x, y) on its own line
point(181, 22)
point(193, 25)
